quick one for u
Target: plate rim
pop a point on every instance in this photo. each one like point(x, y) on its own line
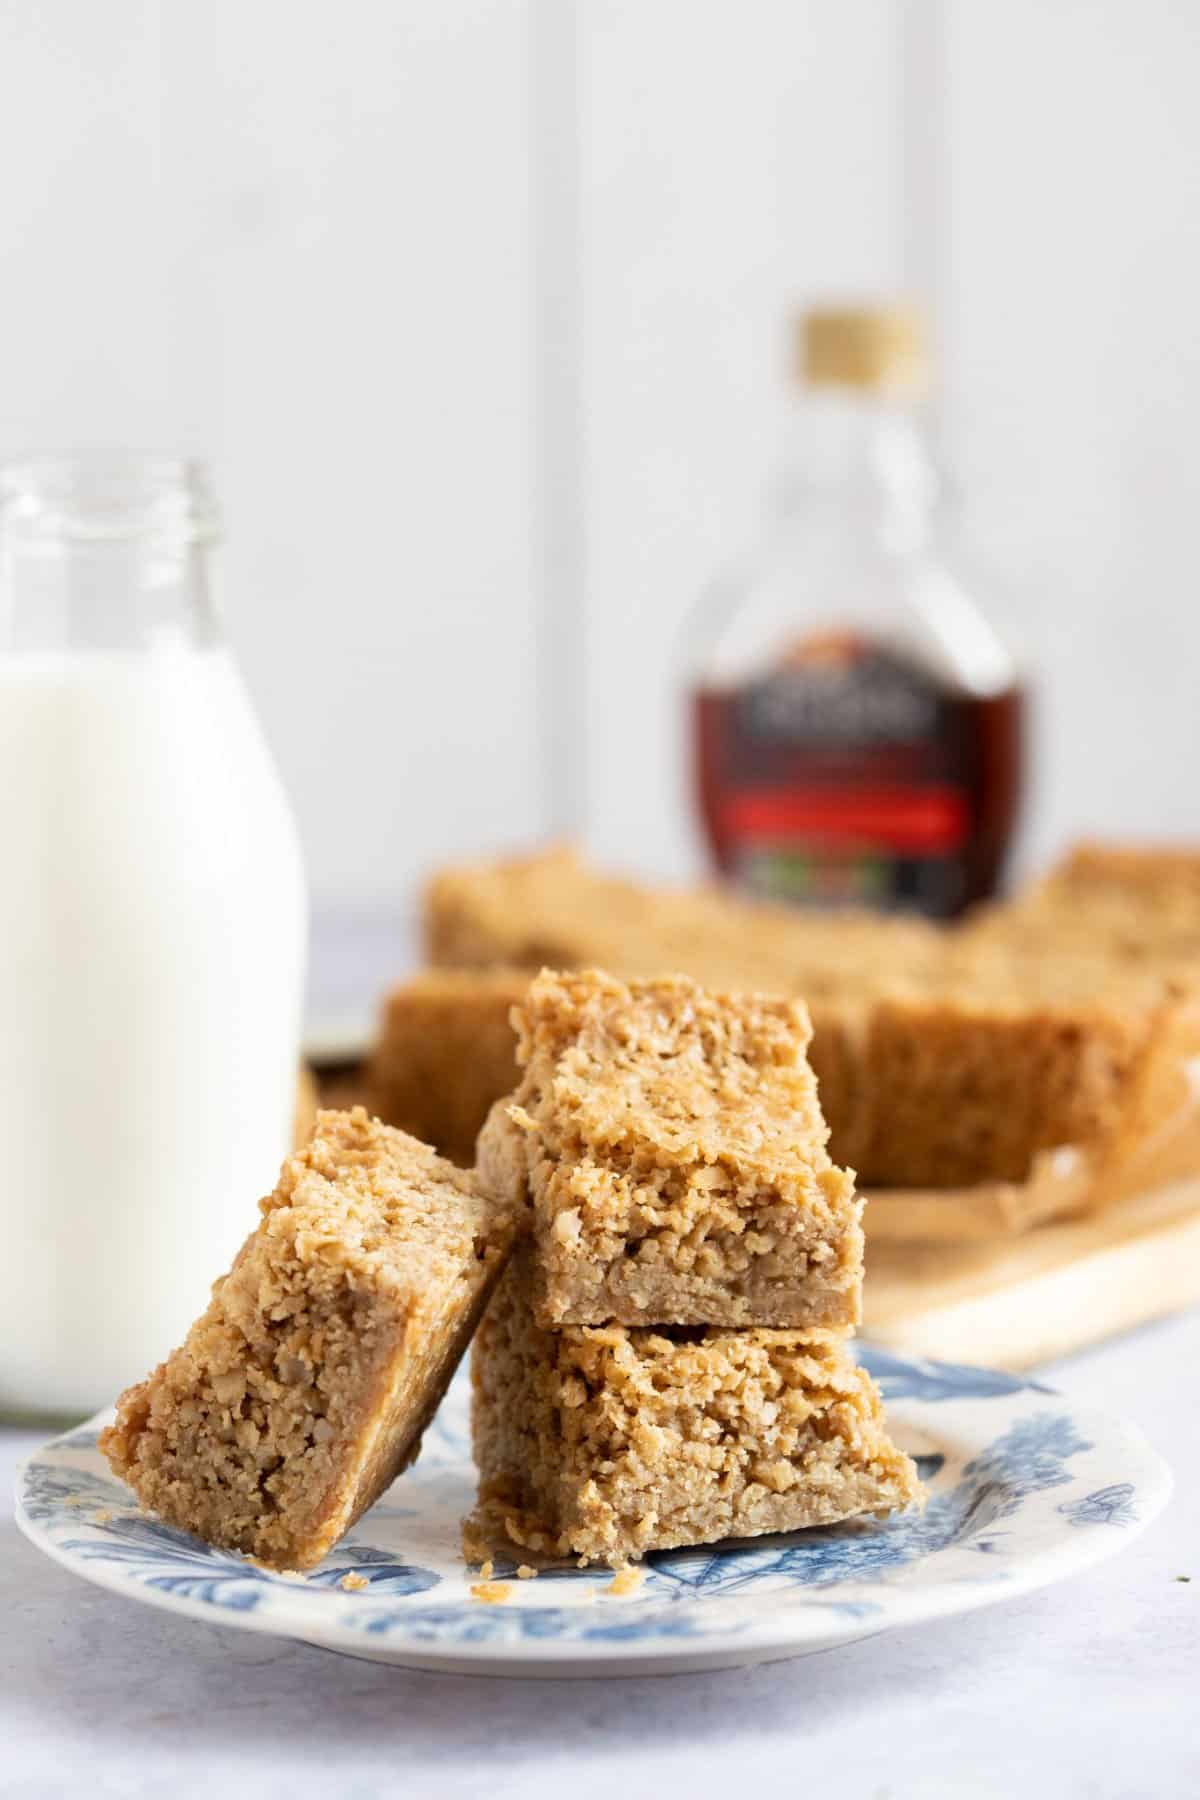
point(785, 1629)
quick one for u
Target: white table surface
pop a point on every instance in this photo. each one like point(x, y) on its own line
point(1091, 1688)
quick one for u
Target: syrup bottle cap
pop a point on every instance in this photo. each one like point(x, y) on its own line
point(878, 347)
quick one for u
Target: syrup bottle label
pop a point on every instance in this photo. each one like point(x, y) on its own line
point(843, 776)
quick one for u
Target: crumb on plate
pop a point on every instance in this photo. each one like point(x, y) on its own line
point(492, 1593)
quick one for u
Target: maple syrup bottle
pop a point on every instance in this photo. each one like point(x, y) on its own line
point(857, 724)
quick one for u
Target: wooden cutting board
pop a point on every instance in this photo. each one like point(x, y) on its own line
point(1018, 1301)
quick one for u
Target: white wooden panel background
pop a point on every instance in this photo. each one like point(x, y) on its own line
point(478, 309)
point(1070, 299)
point(736, 158)
point(296, 238)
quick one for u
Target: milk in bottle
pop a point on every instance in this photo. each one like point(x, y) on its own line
point(152, 929)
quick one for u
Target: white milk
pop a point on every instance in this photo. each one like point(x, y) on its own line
point(151, 959)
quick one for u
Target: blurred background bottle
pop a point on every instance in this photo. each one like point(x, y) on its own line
point(857, 724)
point(152, 928)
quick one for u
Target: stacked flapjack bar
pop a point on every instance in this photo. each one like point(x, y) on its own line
point(666, 1359)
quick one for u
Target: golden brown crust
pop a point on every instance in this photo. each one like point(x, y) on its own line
point(446, 1049)
point(960, 1094)
point(549, 910)
point(1066, 1016)
point(306, 1385)
point(1137, 904)
point(1164, 877)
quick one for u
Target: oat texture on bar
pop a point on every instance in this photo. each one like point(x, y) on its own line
point(304, 1388)
point(674, 1150)
point(604, 1442)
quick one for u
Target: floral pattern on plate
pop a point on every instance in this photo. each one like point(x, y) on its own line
point(1022, 1491)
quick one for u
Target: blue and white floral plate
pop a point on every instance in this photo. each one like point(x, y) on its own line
point(1024, 1490)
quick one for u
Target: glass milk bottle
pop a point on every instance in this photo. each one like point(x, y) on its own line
point(152, 929)
point(857, 724)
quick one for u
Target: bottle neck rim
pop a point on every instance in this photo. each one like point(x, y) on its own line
point(105, 551)
point(107, 497)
